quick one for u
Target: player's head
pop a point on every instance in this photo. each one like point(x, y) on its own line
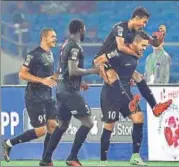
point(48, 36)
point(140, 18)
point(140, 42)
point(77, 27)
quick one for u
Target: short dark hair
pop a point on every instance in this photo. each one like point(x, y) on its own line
point(141, 12)
point(44, 32)
point(75, 26)
point(141, 35)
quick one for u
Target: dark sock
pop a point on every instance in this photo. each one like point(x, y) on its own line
point(105, 142)
point(80, 137)
point(137, 136)
point(52, 144)
point(146, 93)
point(24, 137)
point(46, 141)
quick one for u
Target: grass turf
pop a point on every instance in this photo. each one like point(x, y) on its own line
point(85, 163)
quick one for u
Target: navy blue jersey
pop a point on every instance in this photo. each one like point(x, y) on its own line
point(124, 65)
point(119, 30)
point(71, 50)
point(40, 64)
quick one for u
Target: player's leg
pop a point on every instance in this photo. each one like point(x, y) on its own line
point(80, 137)
point(137, 136)
point(146, 92)
point(137, 133)
point(51, 121)
point(64, 117)
point(36, 112)
point(105, 141)
point(83, 113)
point(110, 114)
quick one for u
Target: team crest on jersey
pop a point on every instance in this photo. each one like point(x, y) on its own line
point(50, 57)
point(120, 30)
point(74, 53)
point(28, 60)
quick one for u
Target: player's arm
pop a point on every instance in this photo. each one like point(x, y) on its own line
point(73, 62)
point(74, 70)
point(55, 76)
point(25, 74)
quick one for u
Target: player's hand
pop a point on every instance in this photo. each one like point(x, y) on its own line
point(54, 76)
point(49, 82)
point(84, 86)
point(95, 70)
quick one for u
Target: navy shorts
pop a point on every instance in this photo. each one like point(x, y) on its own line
point(40, 112)
point(112, 106)
point(71, 103)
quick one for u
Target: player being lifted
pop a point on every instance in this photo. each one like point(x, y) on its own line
point(69, 100)
point(124, 43)
point(38, 71)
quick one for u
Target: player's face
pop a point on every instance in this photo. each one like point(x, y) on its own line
point(51, 39)
point(140, 23)
point(82, 33)
point(141, 46)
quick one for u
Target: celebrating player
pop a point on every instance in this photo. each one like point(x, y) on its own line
point(118, 41)
point(37, 70)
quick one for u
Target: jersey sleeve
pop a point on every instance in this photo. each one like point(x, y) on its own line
point(74, 53)
point(119, 31)
point(29, 61)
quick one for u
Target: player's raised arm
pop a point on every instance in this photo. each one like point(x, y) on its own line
point(73, 62)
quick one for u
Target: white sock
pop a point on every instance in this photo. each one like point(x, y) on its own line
point(8, 142)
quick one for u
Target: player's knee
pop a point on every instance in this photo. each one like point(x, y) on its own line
point(41, 131)
point(137, 77)
point(63, 125)
point(100, 60)
point(109, 126)
point(51, 125)
point(137, 117)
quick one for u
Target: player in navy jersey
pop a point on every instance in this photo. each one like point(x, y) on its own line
point(38, 71)
point(117, 42)
point(69, 100)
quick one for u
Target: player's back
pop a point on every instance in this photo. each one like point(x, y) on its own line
point(40, 64)
point(71, 50)
point(120, 29)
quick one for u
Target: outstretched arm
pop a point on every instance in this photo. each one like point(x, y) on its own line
point(74, 70)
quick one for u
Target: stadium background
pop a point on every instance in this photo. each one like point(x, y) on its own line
point(20, 27)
